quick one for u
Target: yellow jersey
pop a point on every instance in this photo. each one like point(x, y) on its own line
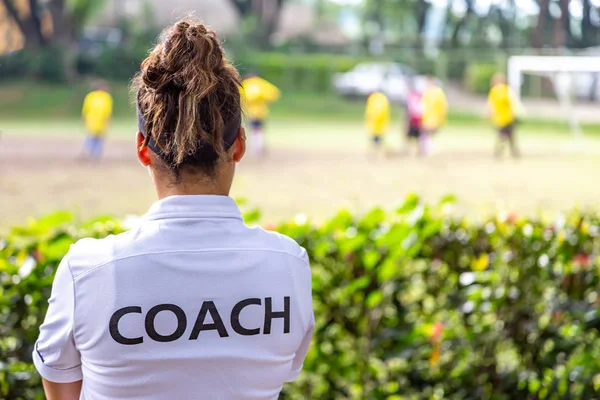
point(257, 94)
point(502, 104)
point(377, 114)
point(435, 108)
point(97, 111)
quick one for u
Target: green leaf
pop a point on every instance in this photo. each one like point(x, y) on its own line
point(357, 284)
point(252, 216)
point(432, 228)
point(373, 219)
point(388, 270)
point(396, 235)
point(352, 244)
point(370, 258)
point(534, 386)
point(342, 221)
point(374, 298)
point(54, 220)
point(57, 249)
point(447, 199)
point(410, 203)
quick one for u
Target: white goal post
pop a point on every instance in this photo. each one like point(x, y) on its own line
point(560, 70)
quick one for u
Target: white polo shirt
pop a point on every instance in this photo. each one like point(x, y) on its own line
point(190, 304)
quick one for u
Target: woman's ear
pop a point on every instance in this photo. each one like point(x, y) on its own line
point(239, 148)
point(142, 151)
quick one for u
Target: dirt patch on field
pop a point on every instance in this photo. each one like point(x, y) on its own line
point(40, 176)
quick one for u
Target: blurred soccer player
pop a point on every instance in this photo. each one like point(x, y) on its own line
point(414, 114)
point(258, 94)
point(377, 118)
point(502, 108)
point(97, 112)
point(435, 111)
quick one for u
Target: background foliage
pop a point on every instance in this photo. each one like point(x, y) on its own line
point(479, 76)
point(412, 304)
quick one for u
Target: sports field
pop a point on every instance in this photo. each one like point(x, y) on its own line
point(316, 166)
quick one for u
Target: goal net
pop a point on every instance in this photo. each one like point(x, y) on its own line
point(561, 70)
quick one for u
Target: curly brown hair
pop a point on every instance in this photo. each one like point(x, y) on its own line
point(188, 95)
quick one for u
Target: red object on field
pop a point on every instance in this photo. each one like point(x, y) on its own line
point(414, 107)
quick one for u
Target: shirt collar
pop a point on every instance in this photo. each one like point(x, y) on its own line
point(192, 206)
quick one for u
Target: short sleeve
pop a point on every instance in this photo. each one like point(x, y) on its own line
point(55, 355)
point(305, 345)
point(302, 352)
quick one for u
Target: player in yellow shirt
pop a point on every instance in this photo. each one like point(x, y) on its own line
point(435, 113)
point(258, 94)
point(502, 108)
point(377, 118)
point(97, 112)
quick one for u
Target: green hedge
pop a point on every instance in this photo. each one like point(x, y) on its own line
point(303, 72)
point(291, 72)
point(306, 72)
point(411, 304)
point(43, 64)
point(479, 76)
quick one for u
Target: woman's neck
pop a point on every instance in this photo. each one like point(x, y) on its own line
point(188, 189)
point(193, 184)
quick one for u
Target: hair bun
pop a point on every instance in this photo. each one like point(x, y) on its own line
point(188, 90)
point(187, 50)
point(158, 79)
point(196, 31)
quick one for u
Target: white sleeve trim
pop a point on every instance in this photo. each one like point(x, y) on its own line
point(293, 376)
point(56, 375)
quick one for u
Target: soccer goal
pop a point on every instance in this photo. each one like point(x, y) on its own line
point(561, 70)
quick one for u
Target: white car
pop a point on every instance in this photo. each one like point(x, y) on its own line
point(392, 79)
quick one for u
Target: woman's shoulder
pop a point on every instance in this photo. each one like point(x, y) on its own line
point(280, 243)
point(88, 254)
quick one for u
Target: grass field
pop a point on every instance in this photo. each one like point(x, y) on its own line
point(313, 168)
point(317, 164)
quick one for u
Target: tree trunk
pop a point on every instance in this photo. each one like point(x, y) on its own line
point(505, 25)
point(14, 14)
point(30, 26)
point(460, 24)
point(243, 7)
point(378, 16)
point(373, 15)
point(422, 12)
point(562, 27)
point(511, 37)
point(64, 37)
point(64, 31)
point(537, 40)
point(269, 12)
point(587, 28)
